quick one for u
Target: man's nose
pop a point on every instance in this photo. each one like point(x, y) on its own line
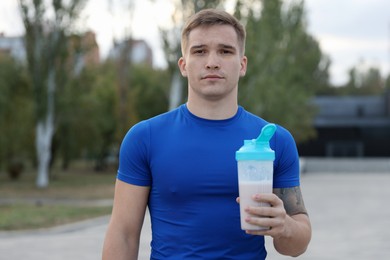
point(213, 62)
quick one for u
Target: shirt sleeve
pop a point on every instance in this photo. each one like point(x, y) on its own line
point(286, 166)
point(133, 156)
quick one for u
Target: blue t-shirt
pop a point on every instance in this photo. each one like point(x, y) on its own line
point(189, 163)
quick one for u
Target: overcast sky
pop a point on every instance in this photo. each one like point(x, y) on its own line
point(351, 32)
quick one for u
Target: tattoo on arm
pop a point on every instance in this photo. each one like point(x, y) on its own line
point(292, 200)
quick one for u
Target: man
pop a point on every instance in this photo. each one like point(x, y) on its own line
point(181, 164)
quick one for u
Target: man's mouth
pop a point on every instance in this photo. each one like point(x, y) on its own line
point(212, 76)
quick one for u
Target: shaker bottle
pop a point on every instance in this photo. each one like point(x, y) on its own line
point(255, 172)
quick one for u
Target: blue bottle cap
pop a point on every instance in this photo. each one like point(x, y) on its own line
point(258, 149)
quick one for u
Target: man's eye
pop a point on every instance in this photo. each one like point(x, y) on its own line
point(226, 52)
point(199, 51)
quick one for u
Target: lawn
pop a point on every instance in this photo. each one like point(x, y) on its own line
point(23, 206)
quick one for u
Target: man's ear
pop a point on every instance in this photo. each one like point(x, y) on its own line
point(244, 63)
point(182, 66)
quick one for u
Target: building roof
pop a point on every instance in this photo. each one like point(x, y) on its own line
point(352, 111)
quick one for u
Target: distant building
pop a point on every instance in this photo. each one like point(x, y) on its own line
point(14, 46)
point(84, 51)
point(140, 53)
point(350, 126)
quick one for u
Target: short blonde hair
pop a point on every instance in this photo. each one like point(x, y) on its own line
point(209, 17)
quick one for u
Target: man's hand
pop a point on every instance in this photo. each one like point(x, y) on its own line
point(286, 217)
point(273, 217)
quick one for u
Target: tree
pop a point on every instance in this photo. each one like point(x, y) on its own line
point(88, 125)
point(285, 65)
point(364, 81)
point(172, 43)
point(79, 111)
point(15, 116)
point(149, 91)
point(46, 41)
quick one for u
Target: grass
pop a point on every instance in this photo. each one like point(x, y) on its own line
point(27, 216)
point(23, 206)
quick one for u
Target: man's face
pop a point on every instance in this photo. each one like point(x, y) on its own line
point(212, 62)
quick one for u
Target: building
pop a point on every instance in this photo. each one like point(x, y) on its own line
point(141, 52)
point(350, 126)
point(14, 46)
point(84, 51)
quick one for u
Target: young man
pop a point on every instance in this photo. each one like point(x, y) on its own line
point(181, 164)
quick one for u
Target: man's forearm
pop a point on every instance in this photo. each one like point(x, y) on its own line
point(296, 236)
point(118, 249)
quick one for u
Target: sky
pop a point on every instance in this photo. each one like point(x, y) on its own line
point(351, 32)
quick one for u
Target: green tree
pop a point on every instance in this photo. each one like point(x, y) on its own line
point(171, 39)
point(361, 81)
point(149, 91)
point(47, 28)
point(88, 120)
point(105, 119)
point(285, 65)
point(367, 81)
point(15, 116)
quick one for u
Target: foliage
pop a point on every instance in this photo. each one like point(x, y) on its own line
point(102, 103)
point(362, 81)
point(146, 97)
point(286, 68)
point(87, 120)
point(285, 65)
point(171, 39)
point(47, 43)
point(47, 28)
point(89, 110)
point(15, 114)
point(149, 91)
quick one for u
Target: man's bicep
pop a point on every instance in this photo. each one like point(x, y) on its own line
point(130, 204)
point(292, 200)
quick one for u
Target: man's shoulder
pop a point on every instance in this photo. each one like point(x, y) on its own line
point(251, 118)
point(281, 131)
point(159, 122)
point(162, 118)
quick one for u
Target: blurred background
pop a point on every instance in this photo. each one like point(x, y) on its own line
point(75, 75)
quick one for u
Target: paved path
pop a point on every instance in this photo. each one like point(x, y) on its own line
point(349, 213)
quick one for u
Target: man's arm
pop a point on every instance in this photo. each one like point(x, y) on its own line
point(287, 218)
point(297, 233)
point(123, 233)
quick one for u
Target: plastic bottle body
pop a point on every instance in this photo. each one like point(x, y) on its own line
point(255, 172)
point(254, 176)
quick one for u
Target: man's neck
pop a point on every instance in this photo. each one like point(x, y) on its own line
point(213, 110)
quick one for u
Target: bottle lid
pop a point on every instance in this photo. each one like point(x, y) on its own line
point(258, 149)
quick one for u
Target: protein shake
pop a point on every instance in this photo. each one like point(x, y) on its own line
point(255, 172)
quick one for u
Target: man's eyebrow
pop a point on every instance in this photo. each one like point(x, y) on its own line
point(223, 46)
point(226, 46)
point(199, 46)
